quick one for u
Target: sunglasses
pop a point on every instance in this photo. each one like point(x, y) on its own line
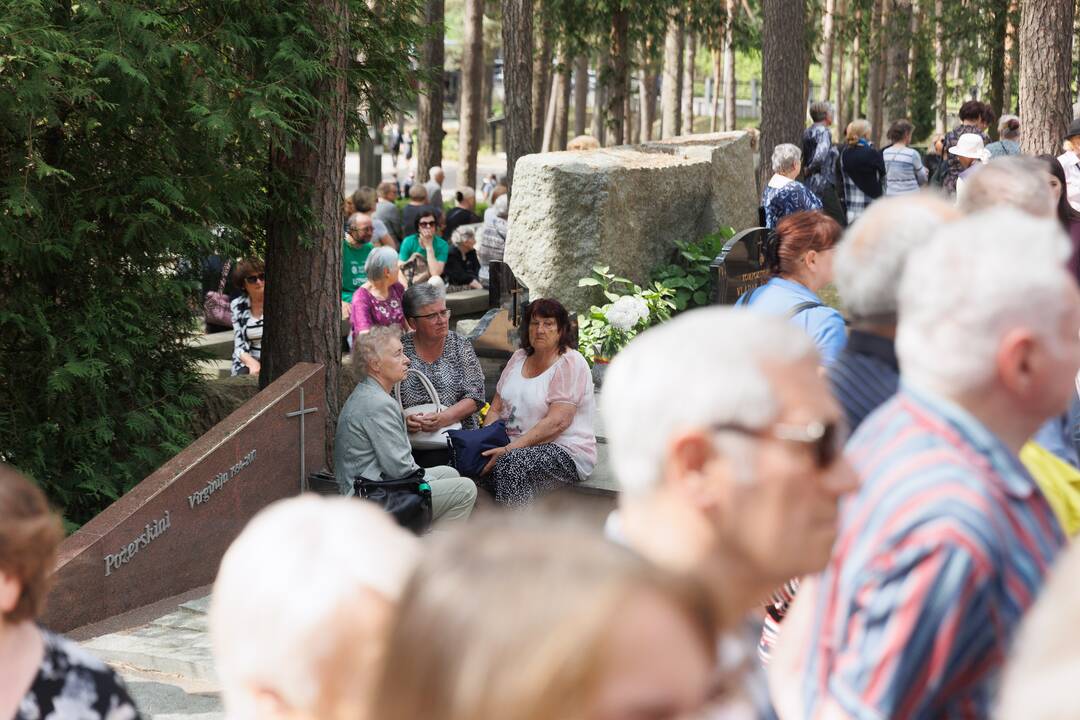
point(252, 279)
point(426, 223)
point(825, 440)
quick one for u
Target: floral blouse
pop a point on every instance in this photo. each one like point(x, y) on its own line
point(783, 197)
point(369, 311)
point(72, 684)
point(456, 375)
point(247, 332)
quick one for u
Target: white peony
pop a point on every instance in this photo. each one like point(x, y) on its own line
point(626, 312)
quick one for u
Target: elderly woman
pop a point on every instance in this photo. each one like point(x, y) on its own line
point(447, 360)
point(462, 271)
point(372, 441)
point(42, 675)
point(904, 170)
point(545, 397)
point(378, 301)
point(784, 194)
point(1009, 134)
point(529, 620)
point(862, 169)
point(493, 235)
point(425, 246)
point(800, 257)
point(247, 316)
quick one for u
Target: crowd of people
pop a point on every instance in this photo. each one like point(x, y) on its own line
point(822, 515)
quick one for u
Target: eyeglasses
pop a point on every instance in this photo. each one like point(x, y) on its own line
point(441, 314)
point(825, 440)
point(252, 279)
point(426, 223)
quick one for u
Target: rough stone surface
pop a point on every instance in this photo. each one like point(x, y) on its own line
point(623, 207)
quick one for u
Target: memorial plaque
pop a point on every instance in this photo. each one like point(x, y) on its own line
point(740, 266)
point(168, 534)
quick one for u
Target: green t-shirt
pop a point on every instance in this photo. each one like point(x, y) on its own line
point(352, 268)
point(411, 245)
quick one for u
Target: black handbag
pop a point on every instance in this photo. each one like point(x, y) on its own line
point(408, 499)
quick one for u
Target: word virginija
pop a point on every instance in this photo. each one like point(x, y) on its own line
point(219, 480)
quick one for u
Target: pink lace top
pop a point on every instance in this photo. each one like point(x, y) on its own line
point(525, 402)
point(369, 311)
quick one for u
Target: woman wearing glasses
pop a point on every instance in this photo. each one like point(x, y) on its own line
point(447, 360)
point(378, 301)
point(247, 316)
point(425, 246)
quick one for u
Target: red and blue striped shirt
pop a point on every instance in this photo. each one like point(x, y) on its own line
point(939, 555)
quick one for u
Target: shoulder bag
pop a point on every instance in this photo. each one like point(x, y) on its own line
point(408, 499)
point(437, 439)
point(466, 447)
point(216, 304)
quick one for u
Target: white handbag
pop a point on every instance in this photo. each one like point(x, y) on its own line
point(422, 440)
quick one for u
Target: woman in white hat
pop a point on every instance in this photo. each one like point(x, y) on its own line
point(971, 154)
point(1070, 160)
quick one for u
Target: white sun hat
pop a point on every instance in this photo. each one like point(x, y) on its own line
point(970, 145)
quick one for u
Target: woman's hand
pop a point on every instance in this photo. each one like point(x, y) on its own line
point(493, 454)
point(430, 422)
point(412, 422)
point(426, 240)
point(253, 365)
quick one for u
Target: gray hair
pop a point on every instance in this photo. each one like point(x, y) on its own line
point(644, 377)
point(465, 193)
point(421, 295)
point(975, 280)
point(463, 234)
point(785, 157)
point(435, 170)
point(870, 260)
point(369, 346)
point(820, 110)
point(354, 220)
point(502, 206)
point(379, 261)
point(1013, 180)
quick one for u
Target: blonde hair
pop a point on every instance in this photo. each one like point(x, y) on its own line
point(857, 130)
point(511, 622)
point(583, 142)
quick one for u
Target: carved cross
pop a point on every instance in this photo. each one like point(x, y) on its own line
point(301, 412)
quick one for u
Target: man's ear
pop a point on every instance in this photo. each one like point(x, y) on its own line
point(690, 458)
point(1016, 361)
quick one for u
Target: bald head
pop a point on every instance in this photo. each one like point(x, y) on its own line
point(1021, 182)
point(872, 255)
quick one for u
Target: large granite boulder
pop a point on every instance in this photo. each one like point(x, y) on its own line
point(623, 207)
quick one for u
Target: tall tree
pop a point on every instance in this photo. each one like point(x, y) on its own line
point(430, 104)
point(689, 53)
point(669, 87)
point(647, 89)
point(599, 127)
point(1046, 39)
point(897, 27)
point(729, 64)
point(1011, 60)
point(839, 25)
point(855, 105)
point(581, 93)
point(517, 31)
point(619, 75)
point(541, 73)
point(472, 74)
point(717, 77)
point(875, 93)
point(783, 70)
point(941, 118)
point(1000, 29)
point(562, 105)
point(828, 33)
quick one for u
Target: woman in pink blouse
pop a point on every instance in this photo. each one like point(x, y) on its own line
point(545, 397)
point(378, 301)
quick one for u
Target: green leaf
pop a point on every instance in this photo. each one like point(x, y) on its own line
point(588, 282)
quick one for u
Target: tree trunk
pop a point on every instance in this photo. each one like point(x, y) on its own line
point(599, 128)
point(729, 66)
point(896, 26)
point(562, 107)
point(581, 94)
point(517, 80)
point(472, 74)
point(942, 119)
point(856, 95)
point(1011, 61)
point(548, 139)
point(619, 77)
point(303, 260)
point(541, 78)
point(828, 34)
point(1046, 37)
point(782, 90)
point(669, 88)
point(875, 94)
point(717, 72)
point(689, 52)
point(839, 23)
point(430, 103)
point(997, 61)
point(647, 92)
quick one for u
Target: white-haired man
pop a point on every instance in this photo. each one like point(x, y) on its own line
point(728, 453)
point(436, 176)
point(948, 540)
point(302, 602)
point(867, 270)
point(1017, 181)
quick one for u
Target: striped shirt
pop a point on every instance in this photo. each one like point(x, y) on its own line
point(864, 375)
point(944, 547)
point(904, 170)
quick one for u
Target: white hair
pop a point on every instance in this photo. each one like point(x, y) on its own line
point(463, 234)
point(434, 171)
point(379, 261)
point(700, 368)
point(1039, 680)
point(974, 281)
point(871, 258)
point(465, 193)
point(1014, 180)
point(785, 156)
point(370, 346)
point(283, 584)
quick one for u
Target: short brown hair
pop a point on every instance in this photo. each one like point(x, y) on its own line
point(29, 535)
point(971, 110)
point(363, 199)
point(547, 308)
point(385, 188)
point(244, 268)
point(417, 192)
point(899, 130)
point(798, 234)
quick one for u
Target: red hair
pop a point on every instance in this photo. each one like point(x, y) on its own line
point(30, 533)
point(799, 233)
